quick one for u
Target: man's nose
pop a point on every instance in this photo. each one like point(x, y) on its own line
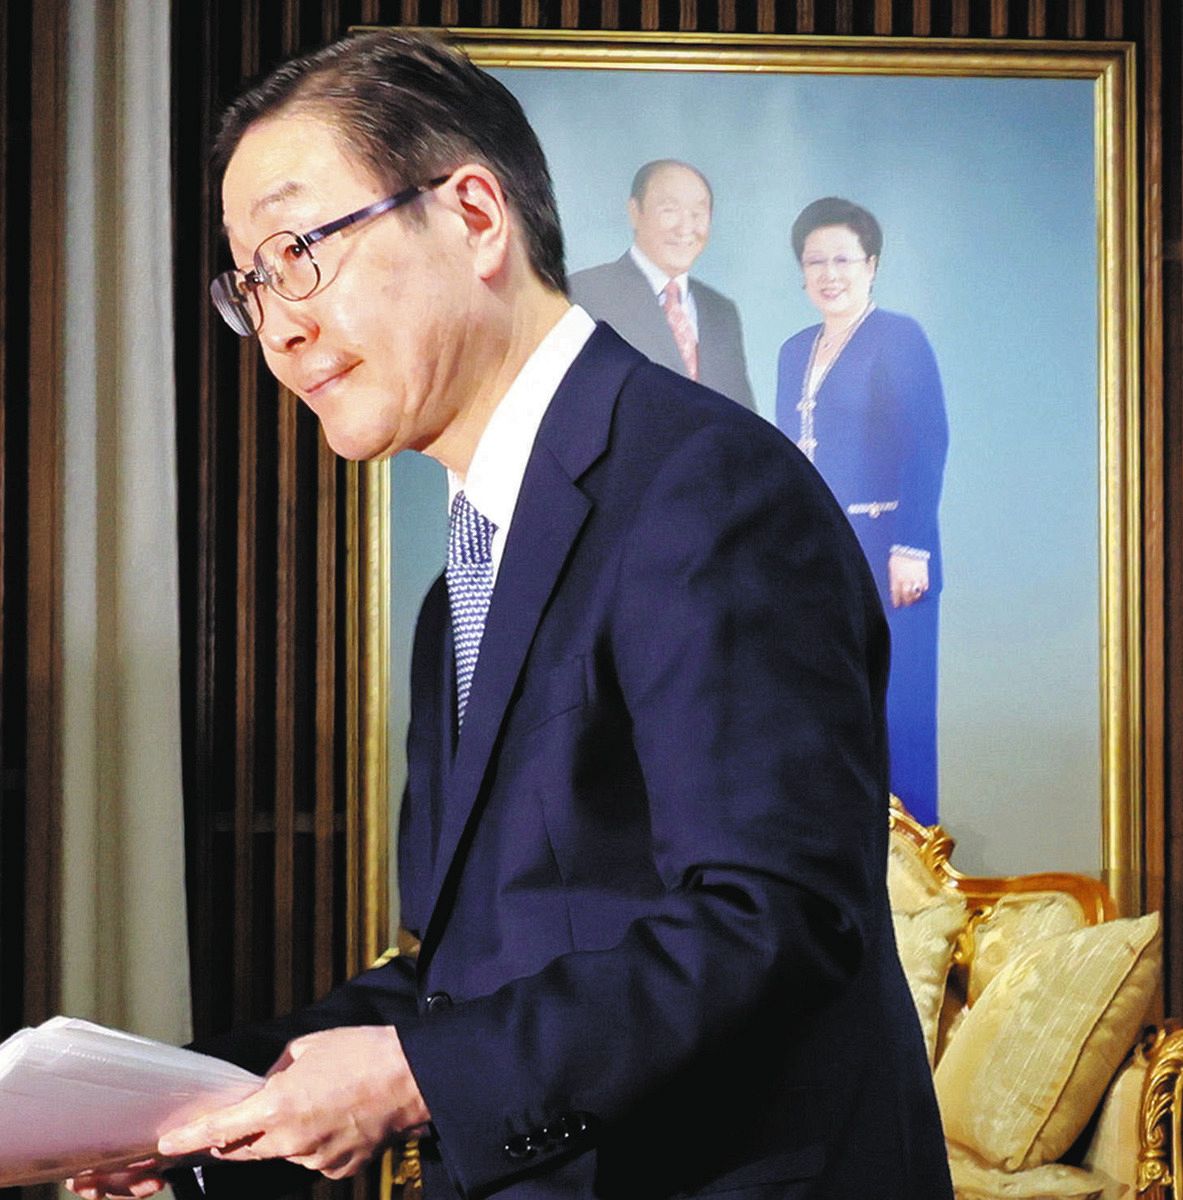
point(287, 324)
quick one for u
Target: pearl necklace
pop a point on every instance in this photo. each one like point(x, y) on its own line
point(807, 442)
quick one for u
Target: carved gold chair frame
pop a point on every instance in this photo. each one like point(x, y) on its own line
point(1160, 1115)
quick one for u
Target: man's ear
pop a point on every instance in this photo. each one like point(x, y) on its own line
point(634, 212)
point(485, 212)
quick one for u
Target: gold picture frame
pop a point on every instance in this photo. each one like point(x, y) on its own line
point(1109, 68)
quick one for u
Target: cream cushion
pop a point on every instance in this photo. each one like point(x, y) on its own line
point(975, 1180)
point(1012, 926)
point(926, 939)
point(1030, 1062)
point(1113, 1149)
point(910, 882)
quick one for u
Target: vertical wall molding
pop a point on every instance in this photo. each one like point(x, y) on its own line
point(46, 294)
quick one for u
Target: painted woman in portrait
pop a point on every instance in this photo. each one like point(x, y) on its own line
point(861, 395)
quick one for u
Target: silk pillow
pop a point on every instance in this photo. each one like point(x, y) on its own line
point(974, 1180)
point(926, 940)
point(1032, 1059)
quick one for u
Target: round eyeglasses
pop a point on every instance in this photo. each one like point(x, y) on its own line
point(284, 262)
point(840, 263)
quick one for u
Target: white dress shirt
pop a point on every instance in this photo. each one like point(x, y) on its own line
point(498, 464)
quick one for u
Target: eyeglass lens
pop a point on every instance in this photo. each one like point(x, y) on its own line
point(839, 263)
point(286, 265)
point(237, 302)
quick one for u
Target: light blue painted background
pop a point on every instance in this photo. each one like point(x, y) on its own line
point(985, 190)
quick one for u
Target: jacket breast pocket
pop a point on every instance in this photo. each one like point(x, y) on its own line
point(559, 690)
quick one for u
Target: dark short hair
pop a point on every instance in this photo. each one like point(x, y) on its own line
point(411, 108)
point(645, 173)
point(833, 210)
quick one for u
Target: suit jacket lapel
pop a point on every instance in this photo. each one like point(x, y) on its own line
point(707, 345)
point(448, 732)
point(651, 326)
point(550, 512)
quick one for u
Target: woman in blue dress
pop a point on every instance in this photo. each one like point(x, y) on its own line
point(861, 395)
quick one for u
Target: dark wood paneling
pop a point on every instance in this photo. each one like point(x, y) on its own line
point(328, 788)
point(1154, 612)
point(5, 140)
point(45, 295)
point(15, 35)
point(1169, 18)
point(261, 522)
point(39, 260)
point(8, 797)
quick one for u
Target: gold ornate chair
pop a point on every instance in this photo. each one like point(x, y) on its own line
point(400, 1176)
point(1134, 1138)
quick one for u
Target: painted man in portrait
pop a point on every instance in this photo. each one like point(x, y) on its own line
point(648, 294)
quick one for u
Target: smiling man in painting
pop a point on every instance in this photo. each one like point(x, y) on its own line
point(649, 296)
point(643, 843)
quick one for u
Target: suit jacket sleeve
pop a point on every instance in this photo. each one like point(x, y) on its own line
point(746, 647)
point(911, 379)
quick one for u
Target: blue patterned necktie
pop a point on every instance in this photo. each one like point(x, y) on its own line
point(470, 587)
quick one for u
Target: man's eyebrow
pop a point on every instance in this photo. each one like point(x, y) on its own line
point(284, 192)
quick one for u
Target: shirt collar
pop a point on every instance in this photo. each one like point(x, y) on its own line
point(656, 276)
point(499, 462)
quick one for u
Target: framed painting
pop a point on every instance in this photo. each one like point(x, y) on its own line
point(1001, 178)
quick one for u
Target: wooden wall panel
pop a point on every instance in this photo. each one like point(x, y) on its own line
point(43, 585)
point(1167, 20)
point(4, 205)
point(15, 99)
point(270, 739)
point(8, 759)
point(32, 94)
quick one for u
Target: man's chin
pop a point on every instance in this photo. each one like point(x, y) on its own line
point(680, 262)
point(357, 445)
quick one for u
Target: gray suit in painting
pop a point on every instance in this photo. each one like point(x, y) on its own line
point(617, 292)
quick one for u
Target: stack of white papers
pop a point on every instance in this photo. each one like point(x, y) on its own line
point(75, 1095)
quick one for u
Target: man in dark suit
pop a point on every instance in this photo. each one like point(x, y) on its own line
point(648, 295)
point(644, 837)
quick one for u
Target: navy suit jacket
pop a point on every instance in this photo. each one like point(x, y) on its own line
point(619, 293)
point(649, 873)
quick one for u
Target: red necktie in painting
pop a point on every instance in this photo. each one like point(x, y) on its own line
point(680, 325)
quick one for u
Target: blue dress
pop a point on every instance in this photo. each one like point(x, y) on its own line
point(878, 433)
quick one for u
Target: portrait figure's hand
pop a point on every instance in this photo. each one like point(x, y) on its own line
point(330, 1103)
point(907, 579)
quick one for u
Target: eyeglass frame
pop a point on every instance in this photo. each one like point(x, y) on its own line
point(839, 262)
point(225, 295)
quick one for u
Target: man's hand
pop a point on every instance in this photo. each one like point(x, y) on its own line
point(138, 1180)
point(907, 579)
point(331, 1101)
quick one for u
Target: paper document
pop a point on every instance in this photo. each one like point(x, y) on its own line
point(76, 1095)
